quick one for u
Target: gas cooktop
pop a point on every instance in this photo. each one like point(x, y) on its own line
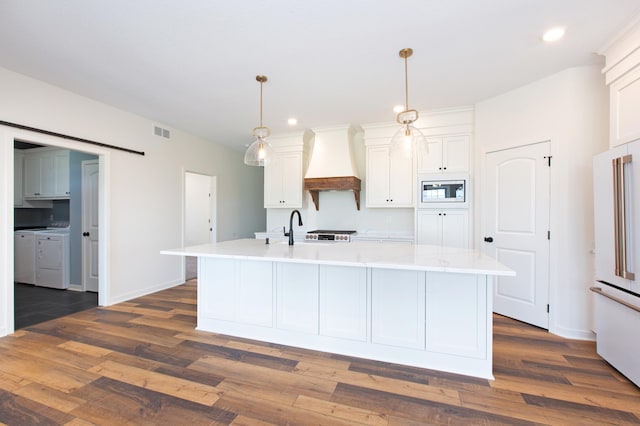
point(329, 235)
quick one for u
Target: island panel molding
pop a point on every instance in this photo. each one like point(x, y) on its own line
point(425, 306)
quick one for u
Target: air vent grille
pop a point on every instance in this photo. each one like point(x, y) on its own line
point(161, 132)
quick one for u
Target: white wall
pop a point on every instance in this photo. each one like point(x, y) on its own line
point(143, 203)
point(571, 110)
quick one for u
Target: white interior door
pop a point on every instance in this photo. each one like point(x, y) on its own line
point(516, 226)
point(199, 221)
point(90, 225)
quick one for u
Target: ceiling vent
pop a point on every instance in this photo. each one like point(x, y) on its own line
point(160, 132)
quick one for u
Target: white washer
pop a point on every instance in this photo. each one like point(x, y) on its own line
point(52, 258)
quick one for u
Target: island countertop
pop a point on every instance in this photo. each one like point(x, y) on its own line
point(358, 253)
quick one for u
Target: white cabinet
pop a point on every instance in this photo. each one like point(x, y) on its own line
point(624, 106)
point(446, 154)
point(446, 227)
point(343, 302)
point(46, 174)
point(398, 308)
point(237, 290)
point(297, 297)
point(390, 180)
point(456, 312)
point(283, 181)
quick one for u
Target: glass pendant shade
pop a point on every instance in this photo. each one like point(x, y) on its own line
point(406, 140)
point(259, 153)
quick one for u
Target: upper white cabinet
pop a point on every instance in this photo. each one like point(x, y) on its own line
point(622, 73)
point(283, 180)
point(390, 179)
point(445, 154)
point(625, 104)
point(284, 176)
point(46, 174)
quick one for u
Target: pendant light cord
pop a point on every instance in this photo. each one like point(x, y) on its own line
point(261, 104)
point(406, 85)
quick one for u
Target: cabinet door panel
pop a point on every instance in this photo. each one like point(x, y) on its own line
point(283, 181)
point(430, 160)
point(398, 308)
point(273, 183)
point(254, 296)
point(217, 298)
point(456, 314)
point(31, 175)
point(429, 227)
point(455, 228)
point(377, 182)
point(343, 302)
point(455, 154)
point(401, 181)
point(297, 297)
point(61, 173)
point(47, 176)
point(625, 103)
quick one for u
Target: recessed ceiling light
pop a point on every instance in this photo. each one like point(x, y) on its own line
point(292, 121)
point(553, 34)
point(398, 108)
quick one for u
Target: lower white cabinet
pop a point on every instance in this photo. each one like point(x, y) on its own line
point(456, 312)
point(297, 297)
point(343, 302)
point(237, 290)
point(427, 319)
point(445, 227)
point(397, 308)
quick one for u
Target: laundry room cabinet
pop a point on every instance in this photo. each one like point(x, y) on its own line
point(46, 174)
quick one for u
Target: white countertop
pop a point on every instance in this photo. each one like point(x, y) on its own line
point(357, 253)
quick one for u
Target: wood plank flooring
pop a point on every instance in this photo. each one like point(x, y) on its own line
point(142, 363)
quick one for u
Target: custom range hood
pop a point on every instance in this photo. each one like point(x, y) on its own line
point(332, 166)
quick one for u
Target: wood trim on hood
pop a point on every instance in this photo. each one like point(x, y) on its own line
point(342, 183)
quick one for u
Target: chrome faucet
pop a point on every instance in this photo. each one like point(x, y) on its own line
point(291, 225)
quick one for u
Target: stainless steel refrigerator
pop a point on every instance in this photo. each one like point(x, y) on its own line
point(616, 184)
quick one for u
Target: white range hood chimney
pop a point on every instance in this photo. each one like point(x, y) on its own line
point(332, 166)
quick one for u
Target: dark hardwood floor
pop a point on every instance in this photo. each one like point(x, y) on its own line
point(141, 362)
point(33, 305)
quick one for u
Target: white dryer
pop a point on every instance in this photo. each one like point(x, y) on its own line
point(52, 258)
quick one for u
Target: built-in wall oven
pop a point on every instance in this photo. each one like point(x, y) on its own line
point(440, 191)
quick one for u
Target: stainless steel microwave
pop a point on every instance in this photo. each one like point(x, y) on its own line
point(443, 192)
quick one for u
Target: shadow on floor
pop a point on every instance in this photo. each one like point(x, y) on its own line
point(33, 305)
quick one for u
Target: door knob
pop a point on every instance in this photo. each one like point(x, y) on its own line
point(85, 234)
point(488, 239)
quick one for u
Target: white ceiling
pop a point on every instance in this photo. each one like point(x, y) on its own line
point(191, 64)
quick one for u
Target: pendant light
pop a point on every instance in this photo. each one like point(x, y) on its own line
point(408, 137)
point(259, 152)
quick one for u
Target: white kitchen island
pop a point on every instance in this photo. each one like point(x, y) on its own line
point(419, 305)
